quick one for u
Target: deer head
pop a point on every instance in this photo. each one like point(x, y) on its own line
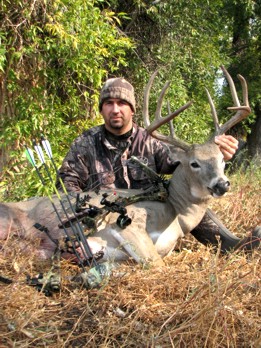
point(203, 164)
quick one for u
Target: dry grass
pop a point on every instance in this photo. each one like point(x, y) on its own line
point(240, 210)
point(199, 299)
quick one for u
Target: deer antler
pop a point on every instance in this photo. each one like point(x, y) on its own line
point(242, 111)
point(159, 120)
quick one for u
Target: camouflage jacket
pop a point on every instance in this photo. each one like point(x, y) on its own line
point(96, 160)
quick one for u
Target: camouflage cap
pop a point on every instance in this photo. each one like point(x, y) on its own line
point(118, 88)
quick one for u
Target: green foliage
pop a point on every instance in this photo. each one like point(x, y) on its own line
point(54, 56)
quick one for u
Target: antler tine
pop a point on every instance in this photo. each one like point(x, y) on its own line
point(162, 120)
point(159, 120)
point(244, 89)
point(145, 111)
point(232, 86)
point(171, 127)
point(213, 112)
point(160, 101)
point(171, 139)
point(242, 111)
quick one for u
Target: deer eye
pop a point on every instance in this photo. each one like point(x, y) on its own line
point(194, 165)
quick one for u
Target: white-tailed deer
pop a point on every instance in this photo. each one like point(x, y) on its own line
point(156, 226)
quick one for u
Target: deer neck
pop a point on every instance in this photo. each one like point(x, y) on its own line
point(180, 196)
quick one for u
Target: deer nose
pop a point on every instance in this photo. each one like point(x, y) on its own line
point(220, 188)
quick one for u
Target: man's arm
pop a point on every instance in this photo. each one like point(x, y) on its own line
point(228, 145)
point(70, 181)
point(73, 171)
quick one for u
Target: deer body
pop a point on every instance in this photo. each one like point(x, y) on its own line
point(156, 226)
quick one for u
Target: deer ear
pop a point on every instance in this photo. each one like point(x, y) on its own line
point(175, 165)
point(176, 153)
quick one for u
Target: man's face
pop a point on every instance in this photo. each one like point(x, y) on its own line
point(117, 115)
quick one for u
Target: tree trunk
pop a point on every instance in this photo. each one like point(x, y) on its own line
point(254, 138)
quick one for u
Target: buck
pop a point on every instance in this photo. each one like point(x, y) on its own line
point(156, 226)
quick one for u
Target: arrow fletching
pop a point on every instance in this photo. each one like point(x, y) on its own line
point(47, 147)
point(39, 152)
point(30, 156)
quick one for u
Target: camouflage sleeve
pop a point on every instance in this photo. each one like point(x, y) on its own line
point(74, 171)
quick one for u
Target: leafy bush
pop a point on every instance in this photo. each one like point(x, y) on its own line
point(53, 59)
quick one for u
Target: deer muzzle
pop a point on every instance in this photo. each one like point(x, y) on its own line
point(220, 188)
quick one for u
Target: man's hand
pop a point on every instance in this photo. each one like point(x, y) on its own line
point(228, 145)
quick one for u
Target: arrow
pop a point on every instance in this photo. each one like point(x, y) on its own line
point(76, 228)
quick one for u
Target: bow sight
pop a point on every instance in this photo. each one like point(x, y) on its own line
point(116, 207)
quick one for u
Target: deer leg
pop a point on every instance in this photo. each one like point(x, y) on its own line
point(252, 241)
point(211, 231)
point(137, 242)
point(129, 247)
point(168, 238)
